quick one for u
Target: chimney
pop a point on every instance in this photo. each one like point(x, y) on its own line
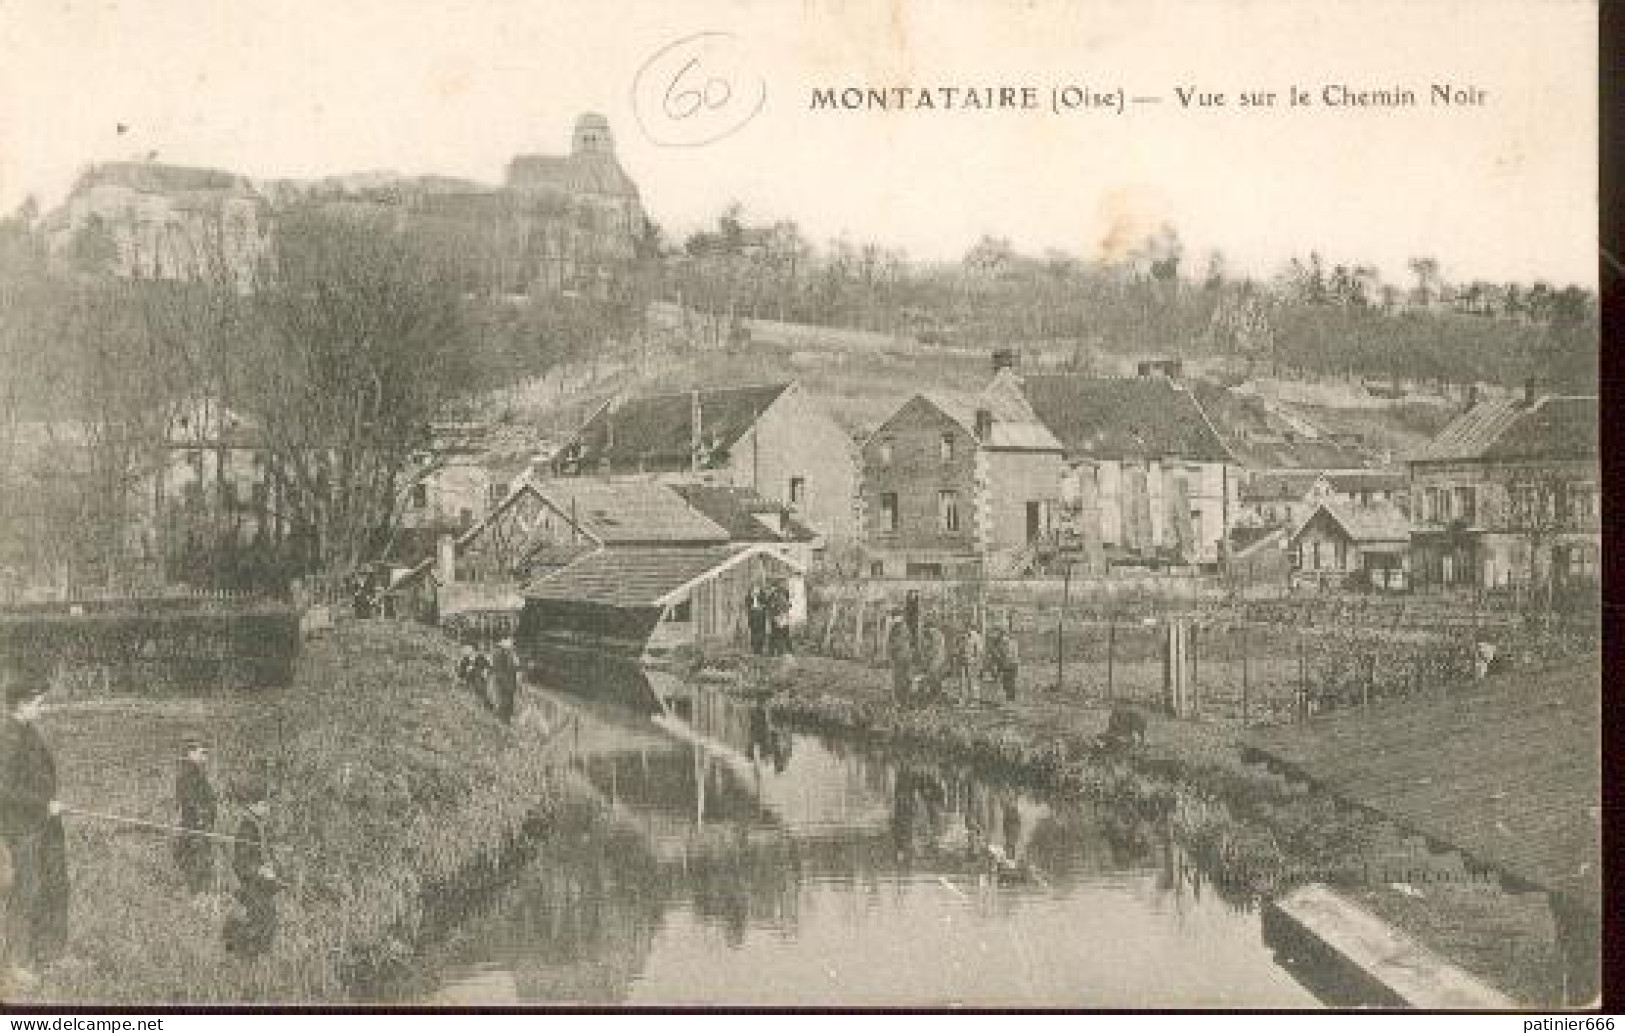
point(1529, 393)
point(984, 424)
point(1005, 358)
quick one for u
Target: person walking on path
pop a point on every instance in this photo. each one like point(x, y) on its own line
point(198, 806)
point(36, 916)
point(756, 617)
point(250, 932)
point(969, 665)
point(901, 656)
point(505, 678)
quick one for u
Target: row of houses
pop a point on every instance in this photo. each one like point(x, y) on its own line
point(1031, 473)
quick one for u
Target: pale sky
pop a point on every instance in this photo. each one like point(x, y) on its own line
point(314, 87)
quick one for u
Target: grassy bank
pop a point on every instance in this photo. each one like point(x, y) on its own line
point(394, 796)
point(1252, 830)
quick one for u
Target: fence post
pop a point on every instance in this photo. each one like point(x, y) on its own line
point(1303, 676)
point(1244, 668)
point(1111, 650)
point(1060, 630)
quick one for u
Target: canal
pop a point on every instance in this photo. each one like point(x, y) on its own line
point(724, 860)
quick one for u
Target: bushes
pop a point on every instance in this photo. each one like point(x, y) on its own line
point(160, 648)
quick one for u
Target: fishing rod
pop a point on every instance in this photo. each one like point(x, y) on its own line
point(156, 826)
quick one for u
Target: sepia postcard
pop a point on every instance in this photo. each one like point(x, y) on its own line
point(842, 504)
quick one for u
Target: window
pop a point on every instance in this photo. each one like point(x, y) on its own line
point(497, 492)
point(888, 512)
point(877, 569)
point(420, 495)
point(465, 517)
point(1464, 506)
point(948, 511)
point(947, 448)
point(798, 491)
point(1582, 503)
point(1583, 561)
point(681, 613)
point(883, 453)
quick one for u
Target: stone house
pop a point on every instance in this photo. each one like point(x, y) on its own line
point(953, 486)
point(1508, 494)
point(1146, 475)
point(772, 438)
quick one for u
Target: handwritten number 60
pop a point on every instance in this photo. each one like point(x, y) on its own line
point(684, 103)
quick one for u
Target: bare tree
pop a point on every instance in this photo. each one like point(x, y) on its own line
point(360, 340)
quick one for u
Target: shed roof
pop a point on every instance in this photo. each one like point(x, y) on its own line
point(641, 578)
point(660, 428)
point(1554, 427)
point(1124, 417)
point(628, 511)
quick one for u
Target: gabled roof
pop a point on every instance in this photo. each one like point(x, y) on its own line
point(1015, 425)
point(1124, 417)
point(658, 429)
point(641, 578)
point(1378, 522)
point(741, 512)
point(621, 511)
point(1555, 427)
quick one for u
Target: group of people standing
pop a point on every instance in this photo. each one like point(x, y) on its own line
point(34, 883)
point(925, 663)
point(767, 612)
point(491, 678)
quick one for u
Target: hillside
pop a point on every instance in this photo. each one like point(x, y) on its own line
point(861, 377)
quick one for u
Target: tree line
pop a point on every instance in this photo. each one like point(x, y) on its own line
point(1314, 317)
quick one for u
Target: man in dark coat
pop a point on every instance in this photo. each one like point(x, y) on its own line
point(505, 679)
point(901, 658)
point(473, 671)
point(195, 799)
point(756, 618)
point(36, 918)
point(250, 932)
point(778, 620)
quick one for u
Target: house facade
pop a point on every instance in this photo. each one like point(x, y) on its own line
point(773, 439)
point(1285, 498)
point(1147, 479)
point(1364, 546)
point(1508, 495)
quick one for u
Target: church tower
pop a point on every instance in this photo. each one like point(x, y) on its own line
point(592, 135)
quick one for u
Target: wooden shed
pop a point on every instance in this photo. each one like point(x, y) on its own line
point(649, 602)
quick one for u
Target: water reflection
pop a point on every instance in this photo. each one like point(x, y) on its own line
point(728, 860)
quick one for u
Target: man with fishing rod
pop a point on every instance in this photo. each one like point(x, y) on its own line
point(35, 922)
